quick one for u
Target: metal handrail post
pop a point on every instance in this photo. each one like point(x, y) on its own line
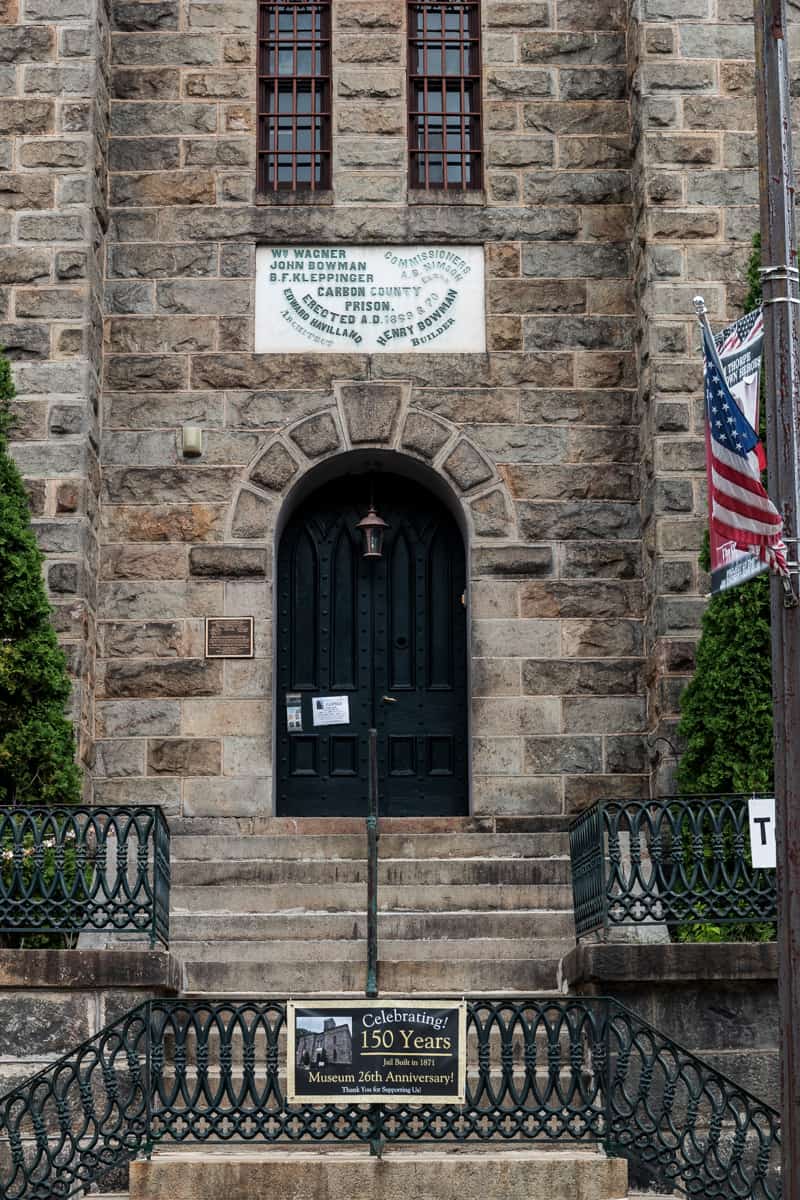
point(371, 990)
point(156, 834)
point(148, 1075)
point(601, 820)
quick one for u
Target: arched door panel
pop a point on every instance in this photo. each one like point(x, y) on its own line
point(390, 634)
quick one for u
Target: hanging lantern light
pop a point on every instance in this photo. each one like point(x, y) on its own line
point(372, 529)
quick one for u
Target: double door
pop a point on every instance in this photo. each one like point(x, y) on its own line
point(382, 641)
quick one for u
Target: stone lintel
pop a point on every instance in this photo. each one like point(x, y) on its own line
point(153, 970)
point(597, 967)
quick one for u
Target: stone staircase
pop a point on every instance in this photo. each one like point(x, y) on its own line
point(277, 907)
point(350, 1173)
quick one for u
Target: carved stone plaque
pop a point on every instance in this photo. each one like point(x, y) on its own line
point(229, 637)
point(370, 299)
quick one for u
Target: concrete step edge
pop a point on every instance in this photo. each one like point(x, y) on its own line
point(392, 859)
point(400, 943)
point(359, 913)
point(330, 994)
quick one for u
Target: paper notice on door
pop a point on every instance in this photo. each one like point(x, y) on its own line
point(331, 710)
point(294, 712)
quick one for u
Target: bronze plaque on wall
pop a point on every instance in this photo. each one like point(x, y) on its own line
point(229, 637)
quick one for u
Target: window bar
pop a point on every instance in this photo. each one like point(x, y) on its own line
point(434, 162)
point(294, 95)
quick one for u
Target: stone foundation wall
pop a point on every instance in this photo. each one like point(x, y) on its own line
point(52, 1000)
point(719, 1001)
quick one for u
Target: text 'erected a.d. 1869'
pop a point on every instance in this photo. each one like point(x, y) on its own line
point(369, 299)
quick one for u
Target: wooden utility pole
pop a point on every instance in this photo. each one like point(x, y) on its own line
point(781, 301)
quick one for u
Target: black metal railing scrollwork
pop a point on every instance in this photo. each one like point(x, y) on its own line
point(69, 869)
point(673, 861)
point(574, 1070)
point(77, 1119)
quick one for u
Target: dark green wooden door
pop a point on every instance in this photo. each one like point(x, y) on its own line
point(390, 634)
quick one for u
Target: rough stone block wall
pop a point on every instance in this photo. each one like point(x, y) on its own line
point(720, 1001)
point(53, 112)
point(547, 469)
point(696, 195)
point(52, 1000)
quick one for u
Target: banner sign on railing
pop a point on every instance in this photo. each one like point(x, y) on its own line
point(403, 1051)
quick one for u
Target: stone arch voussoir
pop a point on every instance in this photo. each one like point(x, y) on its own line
point(379, 414)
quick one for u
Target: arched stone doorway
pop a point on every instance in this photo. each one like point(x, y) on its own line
point(389, 634)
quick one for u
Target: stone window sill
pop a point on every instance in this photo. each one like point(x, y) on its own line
point(303, 196)
point(438, 196)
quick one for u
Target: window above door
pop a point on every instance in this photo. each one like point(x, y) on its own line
point(296, 49)
point(294, 95)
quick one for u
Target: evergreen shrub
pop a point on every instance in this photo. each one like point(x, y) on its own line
point(37, 743)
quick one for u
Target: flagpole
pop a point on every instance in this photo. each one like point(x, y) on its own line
point(782, 363)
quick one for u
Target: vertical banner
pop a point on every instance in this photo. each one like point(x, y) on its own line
point(740, 347)
point(368, 1051)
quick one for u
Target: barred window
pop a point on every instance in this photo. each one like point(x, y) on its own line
point(444, 93)
point(294, 95)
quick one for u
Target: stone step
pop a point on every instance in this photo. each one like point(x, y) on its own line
point(399, 871)
point(275, 826)
point(341, 950)
point(308, 847)
point(304, 978)
point(343, 926)
point(455, 1173)
point(287, 897)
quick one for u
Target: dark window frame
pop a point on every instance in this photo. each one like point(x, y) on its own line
point(445, 134)
point(294, 96)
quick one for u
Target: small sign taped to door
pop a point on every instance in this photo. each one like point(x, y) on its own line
point(294, 712)
point(331, 710)
point(761, 814)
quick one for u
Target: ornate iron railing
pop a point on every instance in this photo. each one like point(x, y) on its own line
point(574, 1069)
point(66, 870)
point(671, 861)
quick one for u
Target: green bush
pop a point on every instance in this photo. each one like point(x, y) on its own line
point(37, 743)
point(726, 711)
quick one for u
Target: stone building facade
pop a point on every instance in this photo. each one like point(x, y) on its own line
point(619, 179)
point(334, 1043)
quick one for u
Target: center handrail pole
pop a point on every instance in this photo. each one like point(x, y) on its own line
point(371, 990)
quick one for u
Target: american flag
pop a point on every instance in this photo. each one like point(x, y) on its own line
point(741, 510)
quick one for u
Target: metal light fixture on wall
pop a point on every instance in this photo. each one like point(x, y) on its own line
point(191, 441)
point(372, 529)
